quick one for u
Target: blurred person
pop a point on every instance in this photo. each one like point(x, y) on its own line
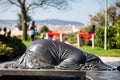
point(92, 30)
point(42, 35)
point(32, 28)
point(5, 30)
point(8, 32)
point(0, 29)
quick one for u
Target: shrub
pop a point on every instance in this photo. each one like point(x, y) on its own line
point(111, 34)
point(118, 34)
point(71, 38)
point(111, 42)
point(10, 48)
point(44, 29)
point(99, 40)
point(6, 53)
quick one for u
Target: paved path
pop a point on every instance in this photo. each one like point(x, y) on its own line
point(110, 59)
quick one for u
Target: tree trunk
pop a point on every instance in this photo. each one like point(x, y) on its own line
point(24, 21)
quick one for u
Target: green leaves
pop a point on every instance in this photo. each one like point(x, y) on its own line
point(44, 29)
point(118, 34)
point(10, 47)
point(111, 37)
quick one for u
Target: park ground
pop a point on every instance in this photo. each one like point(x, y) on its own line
point(110, 59)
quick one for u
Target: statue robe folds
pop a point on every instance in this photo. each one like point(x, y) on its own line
point(49, 54)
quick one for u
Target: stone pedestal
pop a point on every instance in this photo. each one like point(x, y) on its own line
point(41, 74)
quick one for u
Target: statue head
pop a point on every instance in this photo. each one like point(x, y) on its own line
point(94, 63)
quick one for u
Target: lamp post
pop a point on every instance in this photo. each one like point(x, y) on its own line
point(105, 29)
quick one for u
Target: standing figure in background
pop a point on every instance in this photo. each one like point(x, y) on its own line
point(32, 28)
point(92, 30)
point(8, 32)
point(42, 35)
point(5, 30)
point(0, 29)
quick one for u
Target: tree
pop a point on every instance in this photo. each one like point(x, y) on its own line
point(99, 17)
point(112, 15)
point(118, 6)
point(19, 26)
point(44, 29)
point(26, 5)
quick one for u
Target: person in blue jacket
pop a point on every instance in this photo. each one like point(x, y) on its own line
point(32, 28)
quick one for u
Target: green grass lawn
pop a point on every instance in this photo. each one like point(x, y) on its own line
point(101, 52)
point(97, 51)
point(27, 43)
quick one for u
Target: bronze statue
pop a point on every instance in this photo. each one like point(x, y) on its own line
point(49, 54)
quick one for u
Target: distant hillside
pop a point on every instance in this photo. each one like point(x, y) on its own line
point(58, 22)
point(43, 22)
point(8, 22)
point(53, 24)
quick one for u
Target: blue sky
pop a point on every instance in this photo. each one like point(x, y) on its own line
point(78, 11)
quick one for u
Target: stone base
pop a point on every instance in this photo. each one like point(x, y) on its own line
point(41, 74)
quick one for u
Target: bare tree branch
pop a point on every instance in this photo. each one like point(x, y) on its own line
point(27, 5)
point(59, 4)
point(14, 3)
point(35, 5)
point(118, 4)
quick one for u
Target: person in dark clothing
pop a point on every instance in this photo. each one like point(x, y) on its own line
point(8, 33)
point(5, 30)
point(92, 30)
